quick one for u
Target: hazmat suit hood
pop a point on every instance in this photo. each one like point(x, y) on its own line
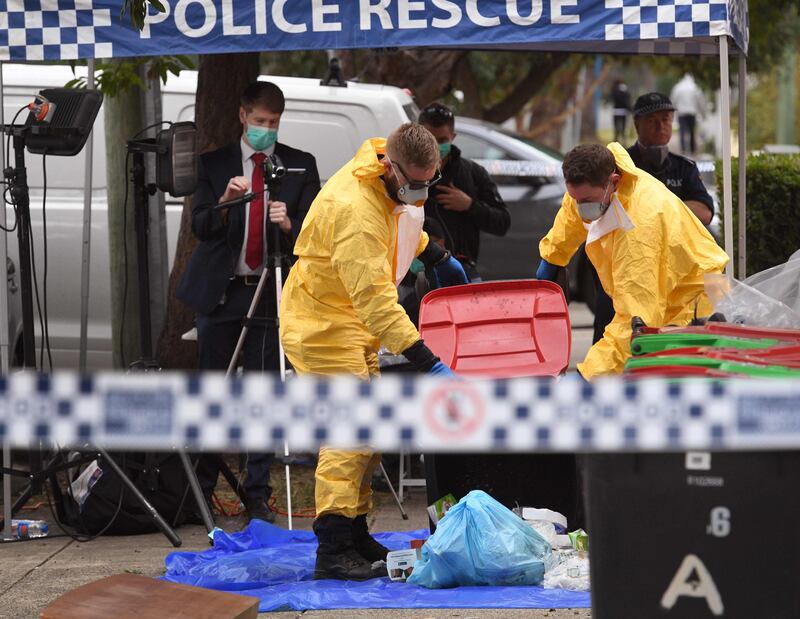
point(367, 161)
point(653, 270)
point(340, 301)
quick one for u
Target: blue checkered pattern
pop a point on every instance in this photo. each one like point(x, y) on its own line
point(68, 29)
point(667, 19)
point(52, 30)
point(209, 412)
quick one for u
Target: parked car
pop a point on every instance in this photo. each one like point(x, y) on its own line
point(331, 122)
point(530, 181)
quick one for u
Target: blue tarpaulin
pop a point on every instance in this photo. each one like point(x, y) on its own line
point(275, 565)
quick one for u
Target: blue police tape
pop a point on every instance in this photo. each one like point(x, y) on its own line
point(210, 412)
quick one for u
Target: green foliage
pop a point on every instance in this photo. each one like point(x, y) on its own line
point(498, 73)
point(116, 76)
point(138, 10)
point(773, 193)
point(762, 98)
point(773, 24)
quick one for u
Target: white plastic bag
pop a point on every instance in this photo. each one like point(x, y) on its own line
point(770, 298)
point(743, 304)
point(781, 283)
point(572, 573)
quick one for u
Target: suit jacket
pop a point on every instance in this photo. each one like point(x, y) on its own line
point(213, 262)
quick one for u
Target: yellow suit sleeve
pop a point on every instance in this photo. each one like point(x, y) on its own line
point(566, 235)
point(423, 243)
point(642, 282)
point(359, 257)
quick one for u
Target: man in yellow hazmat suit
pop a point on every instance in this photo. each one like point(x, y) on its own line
point(340, 304)
point(650, 252)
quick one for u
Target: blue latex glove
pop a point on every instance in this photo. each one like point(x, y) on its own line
point(440, 369)
point(547, 271)
point(449, 273)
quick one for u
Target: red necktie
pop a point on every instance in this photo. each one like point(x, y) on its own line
point(254, 255)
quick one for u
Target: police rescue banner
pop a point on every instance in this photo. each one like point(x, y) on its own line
point(72, 29)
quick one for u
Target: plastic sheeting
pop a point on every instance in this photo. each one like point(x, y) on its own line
point(770, 298)
point(275, 565)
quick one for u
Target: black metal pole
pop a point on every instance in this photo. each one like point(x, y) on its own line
point(22, 199)
point(141, 204)
point(167, 530)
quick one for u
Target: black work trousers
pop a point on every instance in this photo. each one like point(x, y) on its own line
point(217, 335)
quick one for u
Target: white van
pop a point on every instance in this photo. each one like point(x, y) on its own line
point(330, 122)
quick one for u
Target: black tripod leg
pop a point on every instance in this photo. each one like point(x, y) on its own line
point(160, 522)
point(205, 513)
point(233, 482)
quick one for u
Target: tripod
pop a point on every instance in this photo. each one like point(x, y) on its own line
point(273, 173)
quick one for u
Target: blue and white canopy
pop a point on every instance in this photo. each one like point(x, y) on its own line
point(72, 29)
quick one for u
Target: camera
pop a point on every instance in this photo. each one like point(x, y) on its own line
point(273, 170)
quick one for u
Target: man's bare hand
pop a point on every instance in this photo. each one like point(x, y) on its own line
point(278, 214)
point(452, 198)
point(236, 188)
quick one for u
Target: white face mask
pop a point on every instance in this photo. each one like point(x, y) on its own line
point(412, 196)
point(414, 192)
point(592, 211)
point(614, 218)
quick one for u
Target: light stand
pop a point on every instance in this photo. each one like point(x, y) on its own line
point(17, 177)
point(59, 123)
point(176, 172)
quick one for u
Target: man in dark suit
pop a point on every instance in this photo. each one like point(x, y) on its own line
point(224, 270)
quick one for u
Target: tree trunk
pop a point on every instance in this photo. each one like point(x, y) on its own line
point(221, 77)
point(428, 73)
point(123, 119)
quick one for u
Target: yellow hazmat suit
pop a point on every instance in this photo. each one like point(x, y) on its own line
point(340, 304)
point(654, 271)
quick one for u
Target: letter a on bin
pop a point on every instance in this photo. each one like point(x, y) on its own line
point(693, 580)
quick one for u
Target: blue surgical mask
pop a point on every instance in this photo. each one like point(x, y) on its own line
point(261, 138)
point(444, 149)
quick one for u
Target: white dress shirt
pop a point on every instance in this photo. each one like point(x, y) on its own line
point(247, 171)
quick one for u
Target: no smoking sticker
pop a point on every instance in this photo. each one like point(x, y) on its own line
point(454, 410)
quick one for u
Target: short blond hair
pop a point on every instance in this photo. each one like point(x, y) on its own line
point(413, 144)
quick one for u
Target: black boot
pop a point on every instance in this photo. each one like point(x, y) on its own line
point(337, 557)
point(366, 545)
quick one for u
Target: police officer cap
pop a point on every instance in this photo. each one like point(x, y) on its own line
point(652, 102)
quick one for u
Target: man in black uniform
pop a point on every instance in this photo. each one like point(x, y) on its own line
point(653, 114)
point(465, 201)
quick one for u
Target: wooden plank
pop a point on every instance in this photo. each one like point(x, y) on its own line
point(129, 596)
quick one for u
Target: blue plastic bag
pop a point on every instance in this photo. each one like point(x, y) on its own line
point(481, 542)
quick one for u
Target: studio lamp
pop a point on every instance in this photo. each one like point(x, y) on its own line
point(176, 159)
point(61, 120)
point(59, 123)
